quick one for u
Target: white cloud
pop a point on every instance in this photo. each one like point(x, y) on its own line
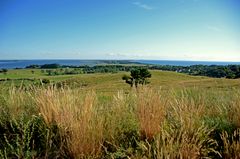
point(142, 5)
point(174, 56)
point(214, 28)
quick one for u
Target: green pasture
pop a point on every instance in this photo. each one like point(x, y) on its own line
point(112, 82)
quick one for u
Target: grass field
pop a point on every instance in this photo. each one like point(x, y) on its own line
point(100, 116)
point(113, 82)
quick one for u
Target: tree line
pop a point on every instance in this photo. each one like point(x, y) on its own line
point(84, 68)
point(216, 71)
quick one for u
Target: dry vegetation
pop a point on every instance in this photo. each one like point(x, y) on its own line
point(144, 123)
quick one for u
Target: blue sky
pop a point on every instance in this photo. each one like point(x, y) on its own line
point(120, 29)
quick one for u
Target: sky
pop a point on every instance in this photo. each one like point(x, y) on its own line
point(207, 30)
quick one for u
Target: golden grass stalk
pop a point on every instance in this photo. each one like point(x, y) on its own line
point(18, 102)
point(182, 144)
point(187, 111)
point(151, 112)
point(231, 144)
point(76, 116)
point(234, 109)
point(120, 118)
point(192, 135)
point(171, 125)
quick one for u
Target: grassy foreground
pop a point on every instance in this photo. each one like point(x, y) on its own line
point(144, 123)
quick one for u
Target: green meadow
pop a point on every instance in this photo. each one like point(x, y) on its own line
point(100, 116)
point(113, 81)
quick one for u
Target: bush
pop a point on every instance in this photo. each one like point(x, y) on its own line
point(45, 81)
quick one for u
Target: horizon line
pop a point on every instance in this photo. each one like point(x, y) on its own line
point(119, 60)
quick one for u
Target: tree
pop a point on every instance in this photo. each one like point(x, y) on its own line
point(137, 76)
point(144, 75)
point(128, 79)
point(45, 81)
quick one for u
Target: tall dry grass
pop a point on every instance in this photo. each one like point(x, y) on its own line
point(151, 112)
point(121, 125)
point(175, 123)
point(189, 136)
point(234, 109)
point(181, 144)
point(231, 143)
point(17, 101)
point(143, 123)
point(76, 117)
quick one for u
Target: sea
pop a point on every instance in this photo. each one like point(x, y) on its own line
point(11, 64)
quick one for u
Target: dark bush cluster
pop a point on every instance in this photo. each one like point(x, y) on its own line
point(229, 71)
point(3, 70)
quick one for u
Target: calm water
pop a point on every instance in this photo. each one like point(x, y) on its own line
point(185, 63)
point(23, 63)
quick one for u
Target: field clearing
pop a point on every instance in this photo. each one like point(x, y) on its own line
point(30, 73)
point(112, 82)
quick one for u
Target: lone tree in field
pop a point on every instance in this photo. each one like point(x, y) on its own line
point(138, 76)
